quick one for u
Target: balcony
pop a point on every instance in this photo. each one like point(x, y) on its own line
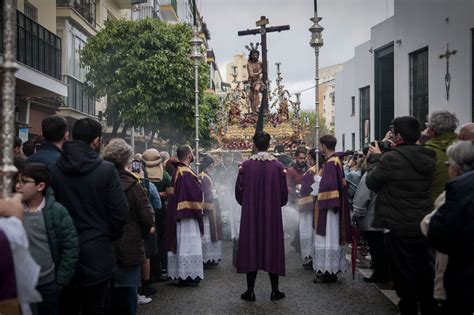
point(36, 47)
point(85, 8)
point(77, 98)
point(147, 12)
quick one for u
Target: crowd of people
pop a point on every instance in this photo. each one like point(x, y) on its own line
point(101, 224)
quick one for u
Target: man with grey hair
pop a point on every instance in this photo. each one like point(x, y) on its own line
point(441, 129)
point(467, 132)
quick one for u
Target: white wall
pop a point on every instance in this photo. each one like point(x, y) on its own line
point(345, 123)
point(416, 24)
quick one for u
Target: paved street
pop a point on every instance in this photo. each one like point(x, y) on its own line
point(219, 293)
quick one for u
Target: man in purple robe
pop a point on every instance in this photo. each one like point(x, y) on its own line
point(261, 190)
point(184, 222)
point(332, 215)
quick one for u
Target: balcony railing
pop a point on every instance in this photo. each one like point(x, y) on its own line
point(146, 12)
point(86, 8)
point(77, 97)
point(36, 47)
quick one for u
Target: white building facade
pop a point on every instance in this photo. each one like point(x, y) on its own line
point(403, 70)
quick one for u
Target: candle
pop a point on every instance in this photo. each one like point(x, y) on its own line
point(315, 5)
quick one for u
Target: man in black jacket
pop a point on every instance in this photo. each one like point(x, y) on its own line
point(90, 189)
point(402, 178)
point(54, 130)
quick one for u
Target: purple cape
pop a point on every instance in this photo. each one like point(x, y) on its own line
point(184, 201)
point(333, 195)
point(211, 207)
point(8, 293)
point(306, 200)
point(261, 190)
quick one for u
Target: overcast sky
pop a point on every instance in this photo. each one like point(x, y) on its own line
point(346, 24)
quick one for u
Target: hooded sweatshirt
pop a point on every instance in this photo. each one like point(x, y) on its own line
point(402, 179)
point(90, 189)
point(439, 144)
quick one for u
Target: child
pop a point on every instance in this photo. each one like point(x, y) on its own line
point(51, 234)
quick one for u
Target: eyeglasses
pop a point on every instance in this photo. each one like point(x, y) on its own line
point(22, 182)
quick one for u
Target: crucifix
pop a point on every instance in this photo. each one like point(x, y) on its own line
point(263, 30)
point(447, 77)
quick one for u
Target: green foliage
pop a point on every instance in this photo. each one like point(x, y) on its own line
point(323, 130)
point(144, 69)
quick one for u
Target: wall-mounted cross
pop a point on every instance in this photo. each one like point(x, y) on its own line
point(263, 30)
point(447, 76)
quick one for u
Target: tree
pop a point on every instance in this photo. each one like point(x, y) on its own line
point(323, 129)
point(144, 69)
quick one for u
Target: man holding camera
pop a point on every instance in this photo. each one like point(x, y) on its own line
point(402, 177)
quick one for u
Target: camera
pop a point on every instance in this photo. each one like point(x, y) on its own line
point(383, 145)
point(136, 166)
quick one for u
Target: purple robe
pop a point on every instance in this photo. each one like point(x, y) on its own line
point(261, 190)
point(306, 200)
point(8, 293)
point(184, 201)
point(333, 196)
point(211, 207)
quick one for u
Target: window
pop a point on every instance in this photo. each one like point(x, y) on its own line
point(353, 105)
point(77, 41)
point(31, 12)
point(364, 120)
point(344, 142)
point(353, 141)
point(419, 84)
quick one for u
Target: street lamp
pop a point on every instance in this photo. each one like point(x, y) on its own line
point(316, 42)
point(196, 56)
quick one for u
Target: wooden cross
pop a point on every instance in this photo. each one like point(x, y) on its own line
point(447, 76)
point(263, 30)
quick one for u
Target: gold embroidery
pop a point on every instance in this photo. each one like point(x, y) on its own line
point(184, 169)
point(305, 200)
point(262, 157)
point(328, 195)
point(193, 205)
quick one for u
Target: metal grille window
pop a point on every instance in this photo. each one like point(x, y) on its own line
point(364, 122)
point(36, 47)
point(419, 84)
point(31, 12)
point(78, 98)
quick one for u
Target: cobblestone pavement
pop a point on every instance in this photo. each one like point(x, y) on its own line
point(219, 293)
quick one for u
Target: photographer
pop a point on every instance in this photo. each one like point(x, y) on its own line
point(402, 178)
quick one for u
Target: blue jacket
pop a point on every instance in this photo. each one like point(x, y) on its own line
point(47, 154)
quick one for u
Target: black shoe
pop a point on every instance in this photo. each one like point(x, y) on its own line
point(325, 278)
point(193, 283)
point(308, 265)
point(248, 296)
point(369, 279)
point(149, 291)
point(277, 295)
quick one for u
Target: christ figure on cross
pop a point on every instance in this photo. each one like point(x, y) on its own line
point(255, 72)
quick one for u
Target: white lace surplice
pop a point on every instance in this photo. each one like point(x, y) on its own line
point(328, 253)
point(187, 262)
point(211, 251)
point(306, 234)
